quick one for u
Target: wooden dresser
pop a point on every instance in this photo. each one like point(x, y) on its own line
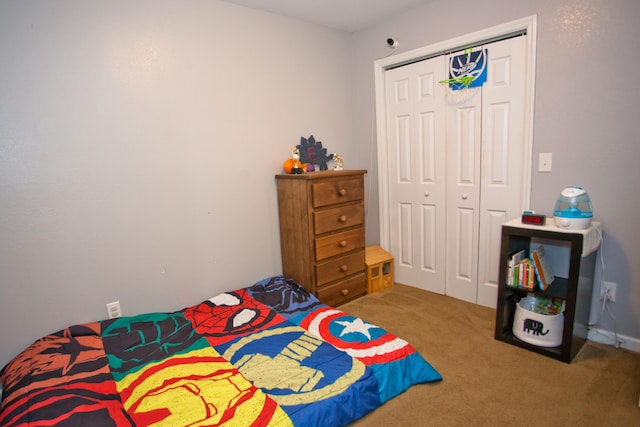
point(322, 235)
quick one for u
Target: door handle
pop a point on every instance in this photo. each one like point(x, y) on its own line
point(426, 194)
point(464, 196)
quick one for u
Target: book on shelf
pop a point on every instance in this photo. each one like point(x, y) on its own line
point(513, 267)
point(520, 271)
point(543, 270)
point(528, 274)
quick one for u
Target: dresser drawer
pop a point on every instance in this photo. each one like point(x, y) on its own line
point(339, 243)
point(340, 268)
point(339, 191)
point(344, 291)
point(338, 218)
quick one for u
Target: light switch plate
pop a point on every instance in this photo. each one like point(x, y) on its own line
point(544, 162)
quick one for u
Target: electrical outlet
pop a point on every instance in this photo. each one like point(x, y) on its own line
point(114, 310)
point(608, 288)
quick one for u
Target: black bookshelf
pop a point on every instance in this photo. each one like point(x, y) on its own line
point(576, 289)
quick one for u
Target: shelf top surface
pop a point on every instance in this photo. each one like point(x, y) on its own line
point(592, 236)
point(322, 174)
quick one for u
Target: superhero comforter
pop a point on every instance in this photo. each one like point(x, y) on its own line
point(267, 355)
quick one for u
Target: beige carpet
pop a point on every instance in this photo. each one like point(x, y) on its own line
point(491, 383)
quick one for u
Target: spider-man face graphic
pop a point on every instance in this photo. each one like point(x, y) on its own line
point(229, 316)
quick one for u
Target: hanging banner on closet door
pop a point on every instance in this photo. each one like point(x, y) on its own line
point(468, 69)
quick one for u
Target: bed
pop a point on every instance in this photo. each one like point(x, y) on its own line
point(266, 355)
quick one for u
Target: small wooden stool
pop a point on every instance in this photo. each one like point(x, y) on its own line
point(379, 269)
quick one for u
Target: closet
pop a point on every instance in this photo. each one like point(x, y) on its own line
point(455, 171)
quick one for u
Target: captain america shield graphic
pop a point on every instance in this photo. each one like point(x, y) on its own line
point(364, 341)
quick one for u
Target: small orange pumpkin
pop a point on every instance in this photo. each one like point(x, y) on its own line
point(288, 165)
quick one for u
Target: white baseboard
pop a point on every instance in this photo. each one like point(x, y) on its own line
point(608, 337)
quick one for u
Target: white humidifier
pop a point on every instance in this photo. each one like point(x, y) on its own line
point(573, 209)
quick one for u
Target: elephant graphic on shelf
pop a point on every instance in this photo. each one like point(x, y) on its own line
point(534, 327)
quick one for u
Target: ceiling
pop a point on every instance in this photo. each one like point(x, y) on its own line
point(345, 15)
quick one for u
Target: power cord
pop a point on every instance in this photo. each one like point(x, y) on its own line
point(617, 340)
point(605, 300)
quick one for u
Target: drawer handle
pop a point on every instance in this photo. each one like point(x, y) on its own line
point(343, 243)
point(344, 268)
point(342, 192)
point(344, 292)
point(343, 218)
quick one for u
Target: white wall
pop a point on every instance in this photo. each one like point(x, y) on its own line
point(138, 146)
point(586, 113)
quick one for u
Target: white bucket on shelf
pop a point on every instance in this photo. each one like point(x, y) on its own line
point(544, 330)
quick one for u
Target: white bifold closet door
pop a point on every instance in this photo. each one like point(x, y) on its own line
point(455, 172)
